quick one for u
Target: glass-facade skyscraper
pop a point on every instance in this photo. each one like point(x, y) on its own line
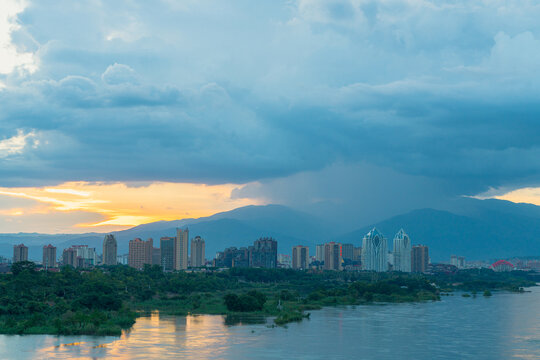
point(402, 252)
point(374, 251)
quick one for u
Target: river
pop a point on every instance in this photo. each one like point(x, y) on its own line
point(504, 326)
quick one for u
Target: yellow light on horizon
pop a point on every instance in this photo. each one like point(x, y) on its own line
point(528, 195)
point(123, 205)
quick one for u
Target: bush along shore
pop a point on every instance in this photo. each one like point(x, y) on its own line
point(105, 301)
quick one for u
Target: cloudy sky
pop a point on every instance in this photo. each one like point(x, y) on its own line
point(116, 113)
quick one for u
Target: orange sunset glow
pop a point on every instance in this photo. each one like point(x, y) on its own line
point(525, 195)
point(121, 205)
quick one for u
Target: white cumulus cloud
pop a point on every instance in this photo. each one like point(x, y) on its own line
point(16, 144)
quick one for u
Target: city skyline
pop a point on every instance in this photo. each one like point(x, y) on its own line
point(404, 258)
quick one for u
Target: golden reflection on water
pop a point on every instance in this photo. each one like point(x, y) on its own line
point(155, 336)
point(503, 326)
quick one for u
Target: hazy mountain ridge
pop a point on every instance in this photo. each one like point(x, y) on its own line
point(487, 237)
point(238, 227)
point(477, 229)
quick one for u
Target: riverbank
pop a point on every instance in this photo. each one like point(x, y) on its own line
point(289, 295)
point(503, 326)
point(108, 300)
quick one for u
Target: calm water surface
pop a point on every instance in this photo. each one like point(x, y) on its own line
point(505, 326)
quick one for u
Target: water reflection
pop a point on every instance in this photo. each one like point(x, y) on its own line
point(504, 326)
point(241, 319)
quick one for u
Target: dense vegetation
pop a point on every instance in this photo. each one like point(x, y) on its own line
point(69, 302)
point(105, 301)
point(251, 301)
point(485, 279)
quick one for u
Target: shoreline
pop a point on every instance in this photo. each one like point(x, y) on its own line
point(106, 302)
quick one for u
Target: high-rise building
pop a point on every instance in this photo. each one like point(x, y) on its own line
point(374, 251)
point(300, 257)
point(167, 245)
point(197, 252)
point(263, 253)
point(347, 251)
point(402, 252)
point(457, 261)
point(79, 256)
point(319, 253)
point(181, 249)
point(86, 256)
point(49, 256)
point(420, 258)
point(357, 253)
point(156, 256)
point(140, 253)
point(232, 257)
point(333, 256)
point(110, 249)
point(20, 253)
point(284, 261)
point(122, 259)
point(69, 257)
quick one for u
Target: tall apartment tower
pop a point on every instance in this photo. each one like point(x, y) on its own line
point(319, 252)
point(166, 244)
point(69, 257)
point(357, 253)
point(156, 256)
point(300, 257)
point(402, 252)
point(457, 261)
point(181, 249)
point(110, 249)
point(86, 256)
point(374, 252)
point(420, 258)
point(140, 253)
point(197, 252)
point(49, 256)
point(347, 251)
point(263, 253)
point(20, 253)
point(333, 256)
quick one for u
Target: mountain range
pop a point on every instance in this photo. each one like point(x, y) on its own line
point(476, 229)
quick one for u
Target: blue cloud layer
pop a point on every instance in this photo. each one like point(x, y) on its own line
point(235, 91)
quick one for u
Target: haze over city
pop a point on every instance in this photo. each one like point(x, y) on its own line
point(116, 114)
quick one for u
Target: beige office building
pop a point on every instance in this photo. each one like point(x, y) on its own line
point(109, 250)
point(333, 256)
point(197, 252)
point(181, 243)
point(49, 256)
point(140, 253)
point(300, 257)
point(20, 253)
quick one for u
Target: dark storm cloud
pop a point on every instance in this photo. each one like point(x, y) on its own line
point(222, 92)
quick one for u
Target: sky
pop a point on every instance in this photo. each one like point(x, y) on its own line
point(114, 114)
